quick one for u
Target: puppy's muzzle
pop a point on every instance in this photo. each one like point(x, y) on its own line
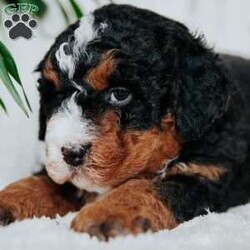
point(75, 155)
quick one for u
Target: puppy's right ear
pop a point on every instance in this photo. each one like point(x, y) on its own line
point(42, 122)
point(47, 85)
point(42, 111)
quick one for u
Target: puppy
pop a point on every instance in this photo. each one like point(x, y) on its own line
point(138, 112)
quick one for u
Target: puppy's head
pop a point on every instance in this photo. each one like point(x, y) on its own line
point(121, 90)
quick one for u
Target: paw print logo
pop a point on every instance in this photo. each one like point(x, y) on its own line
point(20, 26)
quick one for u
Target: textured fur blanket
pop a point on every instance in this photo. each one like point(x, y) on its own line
point(227, 231)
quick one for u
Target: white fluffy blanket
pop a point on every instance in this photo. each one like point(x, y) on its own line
point(229, 231)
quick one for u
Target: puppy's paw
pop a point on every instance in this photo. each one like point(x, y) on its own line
point(6, 216)
point(104, 225)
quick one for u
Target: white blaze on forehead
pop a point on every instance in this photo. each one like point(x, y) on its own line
point(65, 62)
point(84, 35)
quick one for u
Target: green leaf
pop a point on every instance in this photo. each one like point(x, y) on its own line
point(12, 69)
point(9, 62)
point(76, 8)
point(2, 106)
point(63, 11)
point(4, 76)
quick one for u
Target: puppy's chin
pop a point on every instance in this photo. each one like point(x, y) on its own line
point(82, 181)
point(60, 173)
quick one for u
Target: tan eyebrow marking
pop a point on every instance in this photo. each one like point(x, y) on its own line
point(98, 76)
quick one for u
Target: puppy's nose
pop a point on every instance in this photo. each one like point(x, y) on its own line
point(74, 155)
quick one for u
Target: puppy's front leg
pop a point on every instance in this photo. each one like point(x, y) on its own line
point(35, 196)
point(131, 208)
point(186, 191)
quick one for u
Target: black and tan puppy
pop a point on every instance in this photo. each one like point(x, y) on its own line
point(137, 109)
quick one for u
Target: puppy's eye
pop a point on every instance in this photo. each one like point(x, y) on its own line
point(119, 96)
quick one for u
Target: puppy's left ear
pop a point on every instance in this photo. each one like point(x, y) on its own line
point(200, 93)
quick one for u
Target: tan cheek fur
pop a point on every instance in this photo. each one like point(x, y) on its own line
point(116, 156)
